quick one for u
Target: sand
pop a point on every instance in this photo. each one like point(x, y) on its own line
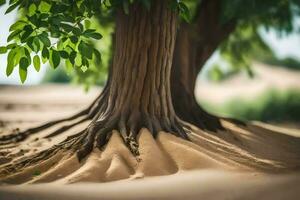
point(201, 184)
point(254, 162)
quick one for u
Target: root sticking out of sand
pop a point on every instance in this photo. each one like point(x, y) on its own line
point(254, 147)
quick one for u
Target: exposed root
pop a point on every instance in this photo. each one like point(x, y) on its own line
point(96, 135)
point(206, 121)
point(99, 132)
point(88, 113)
point(21, 136)
point(43, 155)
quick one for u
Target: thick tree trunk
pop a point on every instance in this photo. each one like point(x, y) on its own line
point(139, 85)
point(142, 62)
point(138, 92)
point(195, 44)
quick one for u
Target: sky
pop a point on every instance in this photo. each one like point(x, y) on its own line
point(288, 46)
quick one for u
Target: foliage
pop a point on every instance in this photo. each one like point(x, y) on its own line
point(65, 32)
point(56, 76)
point(245, 43)
point(290, 63)
point(261, 108)
point(59, 30)
point(242, 44)
point(51, 31)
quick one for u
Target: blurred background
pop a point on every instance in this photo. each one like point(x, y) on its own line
point(254, 75)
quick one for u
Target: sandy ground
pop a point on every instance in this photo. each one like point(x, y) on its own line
point(204, 184)
point(214, 167)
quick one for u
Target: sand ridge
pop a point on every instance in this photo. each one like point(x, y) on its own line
point(165, 155)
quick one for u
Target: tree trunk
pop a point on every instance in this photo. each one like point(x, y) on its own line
point(195, 44)
point(138, 93)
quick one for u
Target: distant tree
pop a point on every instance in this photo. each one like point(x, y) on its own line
point(231, 27)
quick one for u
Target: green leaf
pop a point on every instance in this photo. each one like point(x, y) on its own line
point(54, 58)
point(28, 30)
point(76, 31)
point(97, 56)
point(27, 53)
point(10, 62)
point(24, 63)
point(13, 35)
point(184, 12)
point(44, 7)
point(45, 53)
point(87, 23)
point(36, 45)
point(31, 9)
point(11, 46)
point(34, 19)
point(72, 57)
point(85, 62)
point(36, 63)
point(18, 25)
point(90, 33)
point(85, 49)
point(30, 43)
point(45, 40)
point(96, 36)
point(58, 8)
point(69, 66)
point(78, 60)
point(67, 27)
point(2, 2)
point(59, 45)
point(74, 39)
point(23, 69)
point(64, 54)
point(3, 49)
point(12, 7)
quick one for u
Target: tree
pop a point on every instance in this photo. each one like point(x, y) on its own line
point(137, 93)
point(212, 27)
point(195, 44)
point(138, 90)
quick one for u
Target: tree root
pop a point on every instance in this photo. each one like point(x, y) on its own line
point(21, 136)
point(206, 121)
point(99, 132)
point(96, 135)
point(88, 113)
point(40, 156)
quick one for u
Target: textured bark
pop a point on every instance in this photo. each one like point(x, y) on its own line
point(195, 44)
point(142, 62)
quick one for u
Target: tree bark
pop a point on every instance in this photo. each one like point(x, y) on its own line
point(142, 62)
point(195, 44)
